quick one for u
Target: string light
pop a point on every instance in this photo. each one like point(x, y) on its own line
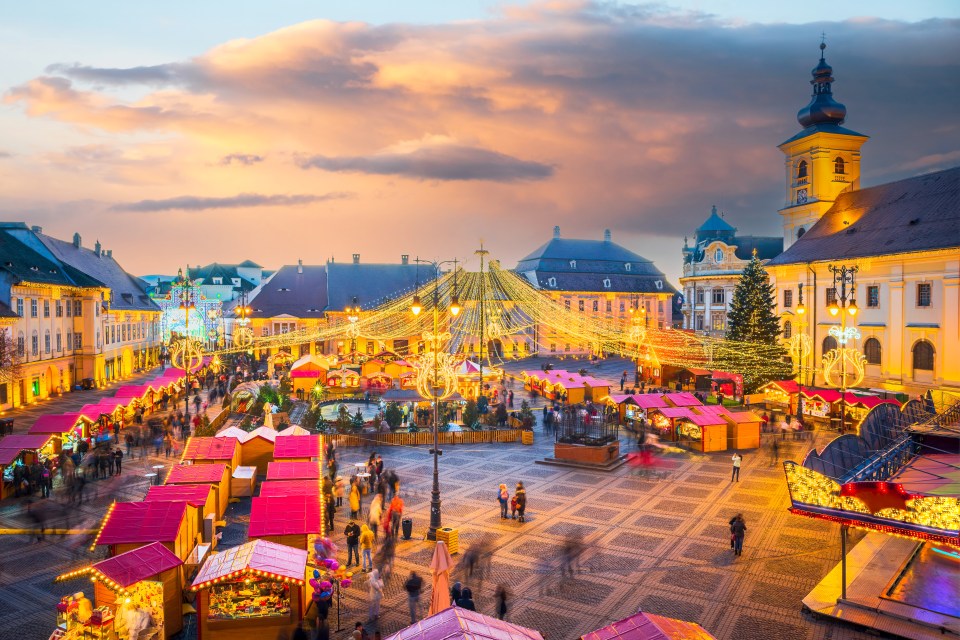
point(103, 524)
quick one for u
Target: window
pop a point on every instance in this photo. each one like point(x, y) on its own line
point(77, 308)
point(606, 283)
point(59, 342)
point(553, 347)
point(596, 306)
point(718, 296)
point(34, 344)
point(924, 294)
point(20, 307)
point(59, 309)
point(838, 166)
point(787, 298)
point(33, 308)
point(700, 296)
point(552, 282)
point(872, 350)
point(46, 342)
point(218, 281)
point(623, 306)
point(69, 307)
point(580, 305)
point(627, 266)
point(609, 306)
point(788, 329)
point(20, 344)
point(873, 296)
point(699, 324)
point(566, 347)
point(800, 232)
point(46, 308)
point(831, 294)
point(718, 255)
point(829, 344)
point(78, 340)
point(923, 356)
point(660, 307)
point(718, 320)
point(573, 264)
point(802, 169)
point(566, 304)
point(69, 340)
point(658, 284)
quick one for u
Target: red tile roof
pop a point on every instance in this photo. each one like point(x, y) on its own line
point(196, 473)
point(132, 522)
point(257, 555)
point(193, 494)
point(646, 626)
point(133, 566)
point(210, 449)
point(280, 488)
point(281, 516)
point(296, 447)
point(461, 624)
point(294, 471)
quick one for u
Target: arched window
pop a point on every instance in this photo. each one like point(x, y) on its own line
point(923, 356)
point(800, 232)
point(788, 329)
point(829, 344)
point(838, 166)
point(872, 350)
point(802, 169)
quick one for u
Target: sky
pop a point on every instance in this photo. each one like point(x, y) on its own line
point(190, 132)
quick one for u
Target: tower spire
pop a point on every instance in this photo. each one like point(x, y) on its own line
point(823, 109)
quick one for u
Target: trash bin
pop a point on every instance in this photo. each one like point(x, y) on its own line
point(407, 527)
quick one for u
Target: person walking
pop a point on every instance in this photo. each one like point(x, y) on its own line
point(375, 586)
point(338, 490)
point(118, 460)
point(503, 496)
point(375, 513)
point(413, 585)
point(737, 461)
point(623, 380)
point(366, 547)
point(396, 513)
point(774, 452)
point(354, 500)
point(352, 533)
point(331, 512)
point(466, 600)
point(456, 592)
point(738, 529)
point(501, 596)
point(521, 497)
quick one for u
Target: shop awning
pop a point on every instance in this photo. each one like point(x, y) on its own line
point(282, 488)
point(132, 522)
point(462, 624)
point(193, 494)
point(296, 447)
point(294, 471)
point(55, 423)
point(129, 568)
point(210, 449)
point(275, 560)
point(646, 626)
point(12, 446)
point(196, 473)
point(284, 516)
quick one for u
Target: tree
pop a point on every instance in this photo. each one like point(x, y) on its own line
point(526, 414)
point(344, 422)
point(11, 365)
point(393, 415)
point(357, 422)
point(471, 415)
point(752, 323)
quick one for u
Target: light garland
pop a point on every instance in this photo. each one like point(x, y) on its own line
point(97, 576)
point(103, 524)
point(844, 362)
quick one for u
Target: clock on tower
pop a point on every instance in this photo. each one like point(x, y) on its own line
point(801, 196)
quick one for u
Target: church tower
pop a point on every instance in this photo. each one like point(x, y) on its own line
point(822, 161)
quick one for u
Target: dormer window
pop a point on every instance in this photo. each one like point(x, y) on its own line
point(236, 281)
point(839, 166)
point(802, 169)
point(658, 284)
point(218, 281)
point(718, 255)
point(552, 282)
point(573, 264)
point(606, 283)
point(627, 266)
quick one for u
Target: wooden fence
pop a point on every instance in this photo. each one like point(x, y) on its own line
point(426, 437)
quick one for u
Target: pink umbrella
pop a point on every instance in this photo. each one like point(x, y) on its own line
point(440, 565)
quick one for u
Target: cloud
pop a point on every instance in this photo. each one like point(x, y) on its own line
point(241, 158)
point(5, 154)
point(161, 74)
point(445, 161)
point(243, 200)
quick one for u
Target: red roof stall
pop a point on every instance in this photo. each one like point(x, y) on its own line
point(646, 626)
point(214, 475)
point(455, 623)
point(706, 432)
point(288, 520)
point(294, 471)
point(251, 592)
point(283, 488)
point(201, 499)
point(67, 428)
point(130, 525)
point(22, 449)
point(743, 429)
point(297, 448)
point(149, 577)
point(212, 450)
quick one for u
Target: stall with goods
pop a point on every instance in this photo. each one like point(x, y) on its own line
point(23, 461)
point(68, 430)
point(703, 432)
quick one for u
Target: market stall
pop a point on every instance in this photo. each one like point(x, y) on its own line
point(290, 520)
point(214, 475)
point(101, 418)
point(743, 429)
point(377, 382)
point(211, 451)
point(282, 488)
point(293, 430)
point(256, 448)
point(67, 429)
point(147, 579)
point(297, 448)
point(596, 389)
point(306, 373)
point(455, 623)
point(343, 378)
point(665, 420)
point(646, 626)
point(23, 450)
point(284, 470)
point(682, 399)
point(131, 525)
point(703, 432)
point(243, 481)
point(201, 499)
point(251, 592)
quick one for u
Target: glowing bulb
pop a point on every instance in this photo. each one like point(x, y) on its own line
point(455, 305)
point(416, 308)
point(853, 308)
point(834, 309)
point(801, 309)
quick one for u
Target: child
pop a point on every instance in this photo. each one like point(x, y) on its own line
point(513, 507)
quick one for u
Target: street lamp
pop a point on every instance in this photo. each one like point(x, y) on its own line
point(187, 351)
point(843, 300)
point(353, 314)
point(436, 380)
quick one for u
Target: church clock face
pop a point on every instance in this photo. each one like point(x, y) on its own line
point(801, 196)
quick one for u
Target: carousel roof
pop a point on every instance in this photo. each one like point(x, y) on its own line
point(462, 624)
point(283, 488)
point(139, 564)
point(286, 470)
point(296, 447)
point(55, 423)
point(193, 494)
point(284, 515)
point(646, 626)
point(256, 555)
point(131, 522)
point(210, 449)
point(196, 473)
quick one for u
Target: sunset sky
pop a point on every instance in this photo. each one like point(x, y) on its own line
point(188, 132)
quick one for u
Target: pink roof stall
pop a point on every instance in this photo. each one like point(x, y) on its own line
point(682, 399)
point(202, 498)
point(59, 424)
point(288, 520)
point(646, 626)
point(284, 470)
point(208, 450)
point(251, 557)
point(297, 448)
point(283, 488)
point(133, 391)
point(462, 624)
point(130, 525)
point(216, 475)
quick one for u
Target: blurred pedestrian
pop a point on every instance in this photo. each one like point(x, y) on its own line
point(413, 585)
point(501, 596)
point(375, 586)
point(366, 547)
point(738, 530)
point(354, 499)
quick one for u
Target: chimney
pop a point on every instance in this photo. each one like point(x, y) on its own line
point(356, 258)
point(37, 228)
point(76, 240)
point(606, 235)
point(300, 266)
point(556, 231)
point(96, 248)
point(109, 253)
point(405, 259)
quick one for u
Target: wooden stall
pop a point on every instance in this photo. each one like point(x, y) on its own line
point(288, 520)
point(256, 449)
point(215, 475)
point(22, 449)
point(131, 525)
point(67, 429)
point(251, 592)
point(682, 399)
point(212, 450)
point(666, 420)
point(284, 470)
point(705, 433)
point(200, 498)
point(293, 430)
point(743, 429)
point(148, 578)
point(306, 373)
point(297, 448)
point(596, 389)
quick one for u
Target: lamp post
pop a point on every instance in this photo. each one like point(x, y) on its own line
point(437, 390)
point(636, 313)
point(353, 314)
point(844, 299)
point(187, 304)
